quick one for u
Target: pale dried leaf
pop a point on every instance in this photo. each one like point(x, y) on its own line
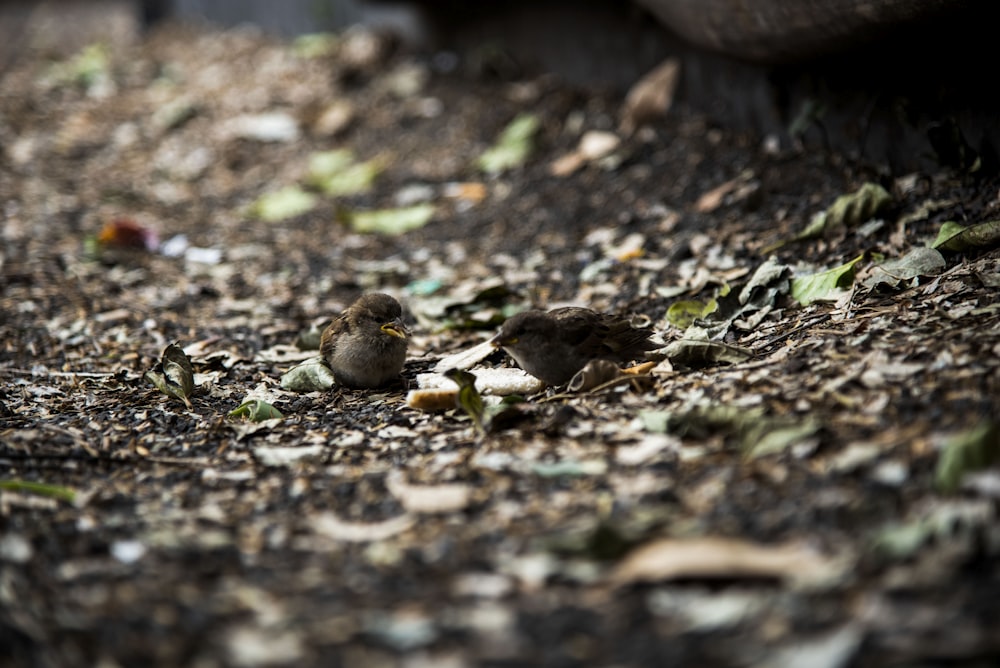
point(331, 526)
point(712, 200)
point(287, 456)
point(651, 97)
point(593, 145)
point(467, 358)
point(716, 557)
point(835, 649)
point(443, 498)
point(595, 373)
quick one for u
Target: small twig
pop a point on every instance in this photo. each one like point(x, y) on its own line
point(598, 389)
point(815, 320)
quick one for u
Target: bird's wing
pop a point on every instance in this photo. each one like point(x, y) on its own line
point(602, 334)
point(328, 341)
point(578, 326)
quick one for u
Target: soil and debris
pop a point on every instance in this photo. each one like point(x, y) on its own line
point(805, 476)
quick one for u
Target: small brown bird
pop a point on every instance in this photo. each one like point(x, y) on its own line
point(365, 345)
point(552, 346)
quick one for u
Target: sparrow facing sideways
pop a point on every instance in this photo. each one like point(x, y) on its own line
point(365, 346)
point(552, 346)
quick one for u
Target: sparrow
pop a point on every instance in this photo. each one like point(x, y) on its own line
point(552, 346)
point(365, 346)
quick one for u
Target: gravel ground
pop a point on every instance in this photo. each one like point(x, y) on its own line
point(808, 485)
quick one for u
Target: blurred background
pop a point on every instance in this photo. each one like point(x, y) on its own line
point(892, 81)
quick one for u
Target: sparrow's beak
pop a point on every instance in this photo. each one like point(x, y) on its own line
point(499, 341)
point(395, 328)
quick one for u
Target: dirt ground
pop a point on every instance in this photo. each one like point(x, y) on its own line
point(788, 498)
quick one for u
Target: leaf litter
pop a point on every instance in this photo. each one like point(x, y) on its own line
point(782, 442)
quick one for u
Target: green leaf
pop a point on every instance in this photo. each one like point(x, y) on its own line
point(325, 163)
point(310, 339)
point(954, 237)
point(858, 207)
point(87, 68)
point(682, 314)
point(920, 261)
point(759, 434)
point(39, 489)
point(315, 45)
point(968, 451)
point(335, 174)
point(513, 146)
point(469, 399)
point(173, 114)
point(949, 231)
point(655, 421)
point(849, 210)
point(391, 221)
point(941, 523)
point(173, 376)
point(283, 204)
point(424, 287)
point(311, 376)
point(256, 410)
point(768, 435)
point(826, 285)
point(901, 541)
point(351, 180)
point(570, 468)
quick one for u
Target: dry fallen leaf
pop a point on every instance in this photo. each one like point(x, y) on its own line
point(127, 233)
point(595, 373)
point(466, 358)
point(601, 374)
point(331, 526)
point(173, 375)
point(732, 191)
point(471, 192)
point(287, 456)
point(443, 498)
point(334, 118)
point(715, 557)
point(594, 145)
point(712, 200)
point(651, 97)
